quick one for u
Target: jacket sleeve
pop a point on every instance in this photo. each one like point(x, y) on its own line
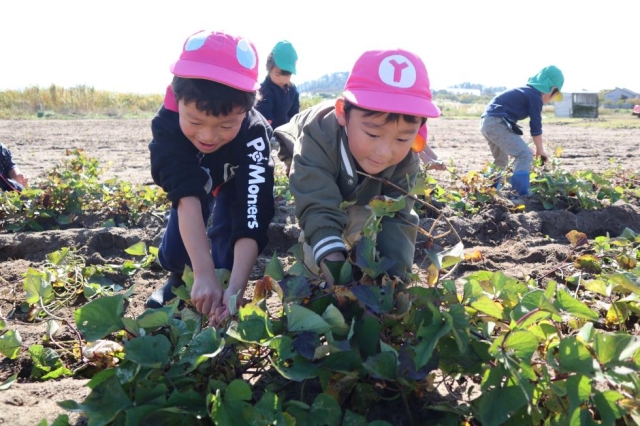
point(265, 104)
point(313, 185)
point(252, 203)
point(535, 115)
point(397, 239)
point(174, 160)
point(6, 159)
point(295, 106)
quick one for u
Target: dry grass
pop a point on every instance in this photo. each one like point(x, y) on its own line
point(79, 101)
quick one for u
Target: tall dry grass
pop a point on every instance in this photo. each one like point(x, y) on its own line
point(87, 102)
point(79, 101)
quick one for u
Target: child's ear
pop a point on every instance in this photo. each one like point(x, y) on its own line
point(340, 114)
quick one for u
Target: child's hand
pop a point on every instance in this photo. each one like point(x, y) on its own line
point(542, 154)
point(22, 180)
point(436, 165)
point(224, 310)
point(206, 294)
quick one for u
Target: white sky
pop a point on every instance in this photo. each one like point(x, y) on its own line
point(127, 45)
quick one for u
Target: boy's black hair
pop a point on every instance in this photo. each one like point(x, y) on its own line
point(392, 117)
point(271, 64)
point(212, 97)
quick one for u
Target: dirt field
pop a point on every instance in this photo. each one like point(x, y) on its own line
point(521, 244)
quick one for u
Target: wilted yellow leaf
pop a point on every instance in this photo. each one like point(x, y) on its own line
point(262, 288)
point(617, 314)
point(557, 152)
point(432, 275)
point(588, 263)
point(577, 238)
point(475, 256)
point(625, 261)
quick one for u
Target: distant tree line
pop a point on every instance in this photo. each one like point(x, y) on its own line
point(485, 90)
point(331, 85)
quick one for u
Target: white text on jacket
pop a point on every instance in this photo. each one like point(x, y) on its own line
point(256, 179)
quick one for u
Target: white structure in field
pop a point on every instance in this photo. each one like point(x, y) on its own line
point(580, 103)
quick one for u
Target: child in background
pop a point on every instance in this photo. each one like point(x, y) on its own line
point(11, 178)
point(210, 152)
point(499, 124)
point(279, 98)
point(426, 154)
point(370, 129)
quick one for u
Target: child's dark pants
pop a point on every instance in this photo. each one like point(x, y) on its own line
point(173, 254)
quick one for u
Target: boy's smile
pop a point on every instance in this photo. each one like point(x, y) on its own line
point(376, 143)
point(208, 133)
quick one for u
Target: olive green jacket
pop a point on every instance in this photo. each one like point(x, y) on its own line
point(323, 176)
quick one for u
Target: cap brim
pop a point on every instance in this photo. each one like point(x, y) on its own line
point(393, 102)
point(286, 66)
point(192, 69)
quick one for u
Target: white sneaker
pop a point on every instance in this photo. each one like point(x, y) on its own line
point(512, 199)
point(519, 200)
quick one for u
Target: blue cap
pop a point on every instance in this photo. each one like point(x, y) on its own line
point(285, 56)
point(546, 79)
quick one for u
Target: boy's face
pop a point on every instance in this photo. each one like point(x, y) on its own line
point(375, 143)
point(208, 133)
point(279, 78)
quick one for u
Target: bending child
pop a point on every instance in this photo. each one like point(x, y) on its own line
point(210, 152)
point(279, 98)
point(370, 129)
point(499, 123)
point(426, 154)
point(11, 178)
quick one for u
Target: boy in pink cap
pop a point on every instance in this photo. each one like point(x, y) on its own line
point(425, 152)
point(210, 152)
point(370, 129)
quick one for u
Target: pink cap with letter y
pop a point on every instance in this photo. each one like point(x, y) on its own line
point(219, 57)
point(391, 81)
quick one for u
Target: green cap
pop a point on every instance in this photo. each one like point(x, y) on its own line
point(546, 79)
point(285, 56)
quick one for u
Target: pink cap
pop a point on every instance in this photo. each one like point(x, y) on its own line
point(170, 102)
point(219, 57)
point(423, 131)
point(391, 81)
point(421, 139)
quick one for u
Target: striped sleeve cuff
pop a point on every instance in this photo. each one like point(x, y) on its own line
point(327, 245)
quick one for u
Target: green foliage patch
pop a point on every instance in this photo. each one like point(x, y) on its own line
point(328, 355)
point(366, 350)
point(71, 191)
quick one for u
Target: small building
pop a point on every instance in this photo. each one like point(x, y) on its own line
point(577, 104)
point(618, 94)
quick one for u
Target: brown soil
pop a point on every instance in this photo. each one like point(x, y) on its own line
point(530, 243)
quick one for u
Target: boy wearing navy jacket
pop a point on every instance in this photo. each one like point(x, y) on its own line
point(210, 152)
point(499, 125)
point(279, 97)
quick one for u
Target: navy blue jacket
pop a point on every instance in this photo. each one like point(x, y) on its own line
point(243, 168)
point(277, 104)
point(518, 104)
point(6, 161)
